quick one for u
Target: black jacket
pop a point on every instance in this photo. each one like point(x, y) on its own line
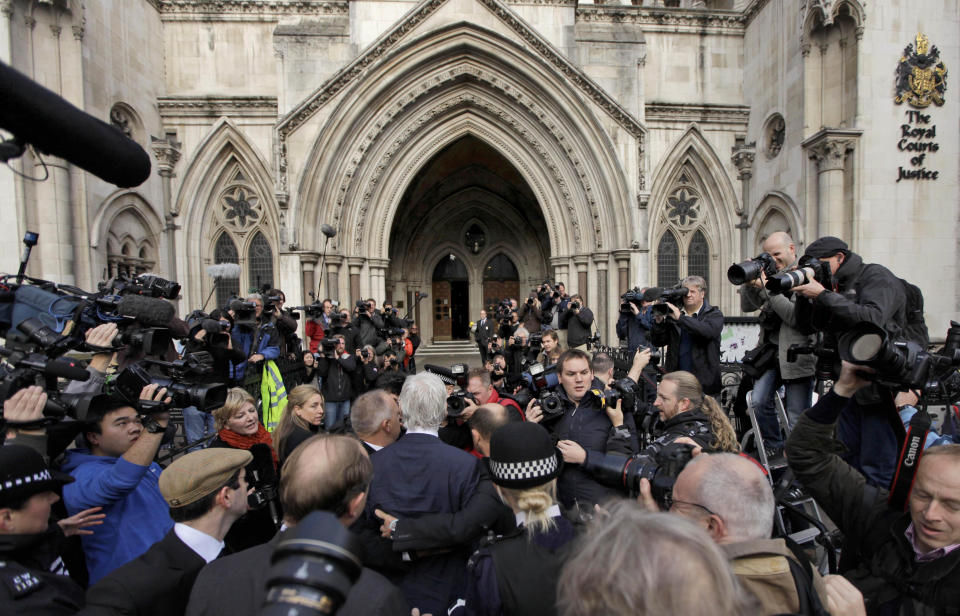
point(862, 292)
point(577, 325)
point(704, 329)
point(235, 584)
point(591, 429)
point(891, 580)
point(156, 582)
point(692, 424)
point(27, 584)
point(338, 377)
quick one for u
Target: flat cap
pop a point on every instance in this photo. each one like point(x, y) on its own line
point(200, 473)
point(826, 246)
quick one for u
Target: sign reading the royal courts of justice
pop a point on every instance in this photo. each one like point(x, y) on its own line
point(921, 80)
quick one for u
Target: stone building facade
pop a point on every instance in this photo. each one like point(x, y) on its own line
point(470, 149)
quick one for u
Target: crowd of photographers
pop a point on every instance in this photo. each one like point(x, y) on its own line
point(220, 464)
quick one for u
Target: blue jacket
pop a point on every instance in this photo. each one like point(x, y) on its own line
point(137, 514)
point(635, 328)
point(269, 346)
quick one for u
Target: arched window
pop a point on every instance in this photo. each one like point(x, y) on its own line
point(500, 268)
point(668, 261)
point(260, 258)
point(698, 263)
point(226, 252)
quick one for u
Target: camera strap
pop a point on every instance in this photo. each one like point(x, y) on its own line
point(909, 459)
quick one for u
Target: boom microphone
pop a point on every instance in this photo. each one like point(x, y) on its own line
point(40, 117)
point(224, 271)
point(148, 311)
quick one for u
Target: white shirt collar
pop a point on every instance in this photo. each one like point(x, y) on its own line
point(433, 432)
point(552, 512)
point(372, 446)
point(200, 542)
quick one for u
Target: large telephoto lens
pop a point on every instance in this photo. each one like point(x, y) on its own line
point(787, 280)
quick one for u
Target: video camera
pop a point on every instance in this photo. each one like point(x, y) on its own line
point(183, 379)
point(313, 311)
point(633, 296)
point(740, 273)
point(216, 331)
point(244, 314)
point(673, 296)
point(147, 285)
point(808, 269)
point(328, 347)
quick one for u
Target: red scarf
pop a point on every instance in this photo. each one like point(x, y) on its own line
point(239, 441)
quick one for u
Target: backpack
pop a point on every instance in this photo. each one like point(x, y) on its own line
point(915, 327)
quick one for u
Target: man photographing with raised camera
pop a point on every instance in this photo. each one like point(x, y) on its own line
point(858, 291)
point(778, 322)
point(577, 319)
point(692, 336)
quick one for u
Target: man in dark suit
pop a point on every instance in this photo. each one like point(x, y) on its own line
point(207, 492)
point(326, 472)
point(421, 474)
point(376, 419)
point(485, 330)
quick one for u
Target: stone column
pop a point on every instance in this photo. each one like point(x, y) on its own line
point(601, 259)
point(355, 264)
point(622, 257)
point(743, 154)
point(829, 149)
point(167, 151)
point(11, 207)
point(331, 287)
point(581, 261)
point(561, 270)
point(378, 281)
point(308, 264)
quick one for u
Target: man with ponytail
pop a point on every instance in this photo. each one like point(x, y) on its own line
point(685, 411)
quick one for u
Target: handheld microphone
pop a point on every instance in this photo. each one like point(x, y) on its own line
point(148, 311)
point(40, 117)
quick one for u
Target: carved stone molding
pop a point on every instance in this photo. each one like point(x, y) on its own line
point(6, 7)
point(167, 152)
point(701, 114)
point(349, 73)
point(246, 10)
point(743, 158)
point(472, 72)
point(704, 21)
point(829, 147)
point(216, 106)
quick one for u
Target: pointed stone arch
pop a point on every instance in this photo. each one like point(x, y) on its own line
point(776, 203)
point(226, 168)
point(125, 214)
point(693, 192)
point(456, 81)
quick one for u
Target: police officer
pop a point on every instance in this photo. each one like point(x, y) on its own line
point(33, 578)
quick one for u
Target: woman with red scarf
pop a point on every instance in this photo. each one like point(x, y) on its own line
point(239, 427)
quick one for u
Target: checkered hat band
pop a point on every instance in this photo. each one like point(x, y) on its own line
point(520, 471)
point(9, 484)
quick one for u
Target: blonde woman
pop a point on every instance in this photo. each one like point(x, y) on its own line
point(239, 427)
point(518, 573)
point(300, 420)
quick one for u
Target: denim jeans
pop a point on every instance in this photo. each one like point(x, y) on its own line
point(798, 393)
point(335, 412)
point(197, 424)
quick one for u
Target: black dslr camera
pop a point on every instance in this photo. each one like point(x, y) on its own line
point(808, 269)
point(740, 273)
point(551, 405)
point(659, 466)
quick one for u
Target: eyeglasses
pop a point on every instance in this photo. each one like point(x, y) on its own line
point(670, 501)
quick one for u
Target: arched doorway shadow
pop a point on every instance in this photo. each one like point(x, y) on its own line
point(451, 300)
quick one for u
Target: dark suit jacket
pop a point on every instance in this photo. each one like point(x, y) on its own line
point(157, 582)
point(417, 475)
point(235, 584)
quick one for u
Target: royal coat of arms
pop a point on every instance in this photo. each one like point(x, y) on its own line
point(921, 76)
